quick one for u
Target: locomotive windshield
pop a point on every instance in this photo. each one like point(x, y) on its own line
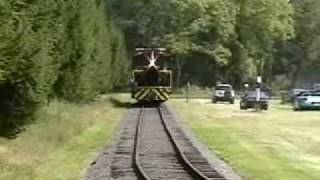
point(150, 68)
point(140, 62)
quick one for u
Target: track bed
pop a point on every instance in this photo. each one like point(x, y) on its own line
point(153, 147)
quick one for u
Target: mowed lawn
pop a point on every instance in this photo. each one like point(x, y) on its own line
point(276, 145)
point(61, 144)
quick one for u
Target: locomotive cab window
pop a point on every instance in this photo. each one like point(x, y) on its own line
point(153, 78)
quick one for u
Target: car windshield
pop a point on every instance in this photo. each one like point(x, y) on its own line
point(223, 88)
point(314, 94)
point(253, 94)
point(297, 91)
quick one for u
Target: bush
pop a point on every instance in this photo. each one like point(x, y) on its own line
point(56, 49)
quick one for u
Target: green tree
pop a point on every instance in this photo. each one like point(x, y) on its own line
point(238, 37)
point(260, 24)
point(304, 49)
point(56, 49)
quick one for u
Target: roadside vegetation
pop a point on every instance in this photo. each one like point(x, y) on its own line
point(75, 50)
point(67, 50)
point(273, 145)
point(57, 56)
point(63, 142)
point(211, 40)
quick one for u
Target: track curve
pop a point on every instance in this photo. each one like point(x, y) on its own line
point(162, 149)
point(153, 147)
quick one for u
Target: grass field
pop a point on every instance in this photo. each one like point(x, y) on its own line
point(276, 145)
point(62, 142)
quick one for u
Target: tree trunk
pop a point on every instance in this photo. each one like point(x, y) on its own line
point(179, 72)
point(297, 74)
point(269, 67)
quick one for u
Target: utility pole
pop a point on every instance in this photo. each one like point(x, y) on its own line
point(187, 91)
point(258, 91)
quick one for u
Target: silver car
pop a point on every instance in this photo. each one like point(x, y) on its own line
point(307, 100)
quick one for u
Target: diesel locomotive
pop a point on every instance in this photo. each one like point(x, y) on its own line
point(151, 76)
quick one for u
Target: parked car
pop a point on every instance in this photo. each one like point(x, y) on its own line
point(294, 93)
point(249, 100)
point(307, 100)
point(224, 93)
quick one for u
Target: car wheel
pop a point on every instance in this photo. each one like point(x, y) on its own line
point(232, 101)
point(296, 106)
point(242, 106)
point(214, 101)
point(265, 107)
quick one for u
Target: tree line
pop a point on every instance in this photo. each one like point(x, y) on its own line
point(56, 49)
point(227, 41)
point(73, 50)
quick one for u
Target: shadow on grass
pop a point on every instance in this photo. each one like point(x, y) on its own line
point(307, 110)
point(11, 128)
point(121, 104)
point(284, 108)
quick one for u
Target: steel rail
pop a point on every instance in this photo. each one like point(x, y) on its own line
point(136, 161)
point(195, 172)
point(181, 156)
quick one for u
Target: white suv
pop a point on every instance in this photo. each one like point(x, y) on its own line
point(223, 92)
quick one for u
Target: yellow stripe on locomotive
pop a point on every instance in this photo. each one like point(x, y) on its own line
point(150, 94)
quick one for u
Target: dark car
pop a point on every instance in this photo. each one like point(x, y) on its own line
point(249, 100)
point(224, 93)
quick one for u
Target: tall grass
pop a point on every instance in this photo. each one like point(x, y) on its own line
point(61, 142)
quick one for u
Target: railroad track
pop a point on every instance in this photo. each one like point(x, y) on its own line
point(155, 148)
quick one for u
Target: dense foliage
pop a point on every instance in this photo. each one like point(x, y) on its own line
point(236, 39)
point(66, 49)
point(301, 55)
point(75, 49)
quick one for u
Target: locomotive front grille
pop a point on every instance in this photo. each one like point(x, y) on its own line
point(145, 87)
point(152, 94)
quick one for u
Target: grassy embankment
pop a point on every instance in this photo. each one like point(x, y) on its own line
point(62, 142)
point(276, 145)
